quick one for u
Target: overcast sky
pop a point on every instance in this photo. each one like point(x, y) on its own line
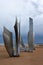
point(23, 9)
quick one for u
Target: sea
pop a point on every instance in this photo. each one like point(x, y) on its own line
point(38, 39)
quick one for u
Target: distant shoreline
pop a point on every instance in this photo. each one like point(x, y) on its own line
point(25, 44)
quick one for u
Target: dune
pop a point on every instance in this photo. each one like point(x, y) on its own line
point(26, 58)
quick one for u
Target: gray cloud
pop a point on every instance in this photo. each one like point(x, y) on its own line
point(37, 7)
point(23, 9)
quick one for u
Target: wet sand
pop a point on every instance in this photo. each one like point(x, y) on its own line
point(26, 58)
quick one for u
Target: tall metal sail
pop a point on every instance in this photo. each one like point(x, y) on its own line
point(20, 38)
point(17, 36)
point(7, 36)
point(30, 43)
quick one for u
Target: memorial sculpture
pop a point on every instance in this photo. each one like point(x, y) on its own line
point(30, 35)
point(8, 42)
point(17, 38)
point(7, 36)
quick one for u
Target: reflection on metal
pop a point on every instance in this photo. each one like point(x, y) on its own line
point(30, 34)
point(7, 36)
point(20, 38)
point(22, 48)
point(19, 32)
point(22, 43)
point(17, 37)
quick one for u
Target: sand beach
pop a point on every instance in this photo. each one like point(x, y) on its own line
point(26, 58)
